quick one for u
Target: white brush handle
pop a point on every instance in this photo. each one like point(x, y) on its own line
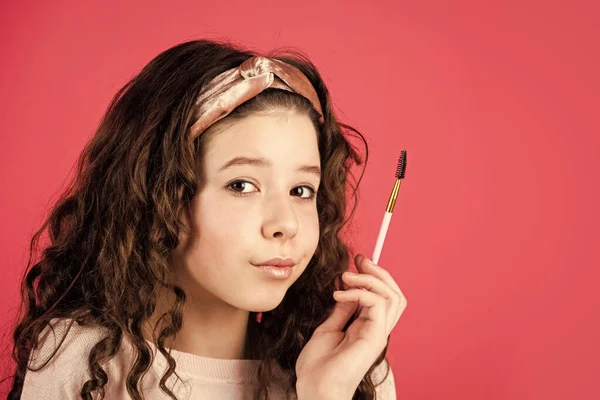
point(387, 217)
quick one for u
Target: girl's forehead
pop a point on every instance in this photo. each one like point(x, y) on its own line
point(265, 163)
point(270, 137)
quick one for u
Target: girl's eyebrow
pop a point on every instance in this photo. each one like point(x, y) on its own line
point(261, 162)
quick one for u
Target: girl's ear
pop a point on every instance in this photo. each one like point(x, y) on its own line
point(186, 215)
point(186, 219)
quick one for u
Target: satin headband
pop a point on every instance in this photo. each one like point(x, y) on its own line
point(237, 85)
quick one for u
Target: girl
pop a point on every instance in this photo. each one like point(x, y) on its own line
point(196, 254)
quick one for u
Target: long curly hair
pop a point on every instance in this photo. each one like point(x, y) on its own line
point(112, 229)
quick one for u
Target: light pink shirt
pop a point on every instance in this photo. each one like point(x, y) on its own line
point(205, 378)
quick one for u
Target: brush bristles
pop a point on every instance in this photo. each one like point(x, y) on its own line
point(401, 170)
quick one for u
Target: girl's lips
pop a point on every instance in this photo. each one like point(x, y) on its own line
point(276, 262)
point(276, 272)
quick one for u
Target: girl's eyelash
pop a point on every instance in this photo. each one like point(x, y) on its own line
point(311, 197)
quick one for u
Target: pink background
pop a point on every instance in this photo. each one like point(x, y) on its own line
point(495, 236)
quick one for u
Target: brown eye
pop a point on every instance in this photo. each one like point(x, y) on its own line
point(240, 186)
point(304, 192)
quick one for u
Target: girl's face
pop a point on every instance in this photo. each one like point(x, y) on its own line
point(257, 201)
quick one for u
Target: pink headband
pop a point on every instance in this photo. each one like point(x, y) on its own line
point(237, 85)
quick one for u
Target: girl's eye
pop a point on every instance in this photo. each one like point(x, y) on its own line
point(306, 192)
point(242, 188)
point(239, 186)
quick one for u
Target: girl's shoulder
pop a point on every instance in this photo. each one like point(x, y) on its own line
point(385, 385)
point(58, 367)
point(63, 342)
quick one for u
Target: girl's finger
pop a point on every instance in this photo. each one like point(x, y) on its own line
point(375, 305)
point(339, 317)
point(363, 264)
point(369, 282)
point(377, 286)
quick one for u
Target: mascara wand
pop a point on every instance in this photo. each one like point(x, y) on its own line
point(387, 217)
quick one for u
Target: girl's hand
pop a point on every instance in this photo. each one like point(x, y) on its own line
point(333, 362)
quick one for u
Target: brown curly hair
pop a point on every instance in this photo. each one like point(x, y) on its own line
point(111, 231)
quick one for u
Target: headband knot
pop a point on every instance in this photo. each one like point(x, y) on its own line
point(255, 66)
point(235, 86)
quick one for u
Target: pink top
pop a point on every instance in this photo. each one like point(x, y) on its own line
point(205, 378)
